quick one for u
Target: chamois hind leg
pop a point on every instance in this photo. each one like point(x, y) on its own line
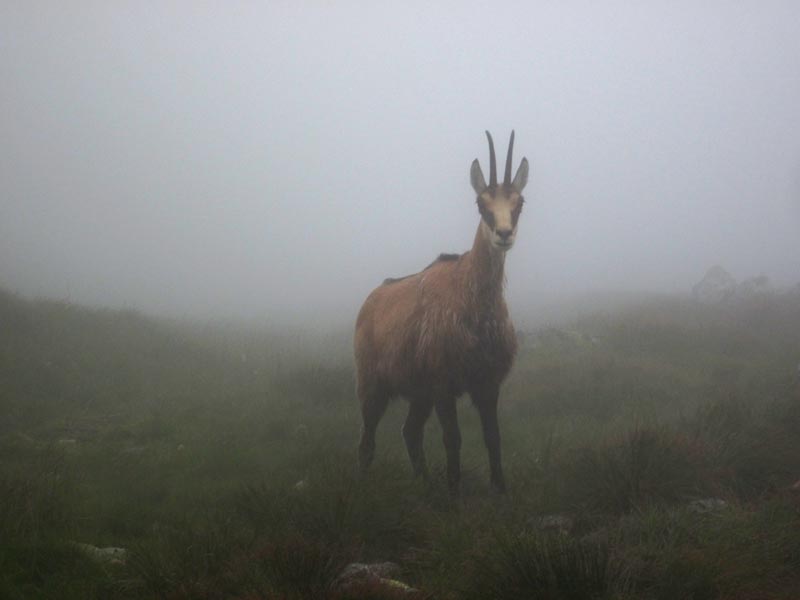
point(485, 400)
point(451, 435)
point(373, 405)
point(414, 431)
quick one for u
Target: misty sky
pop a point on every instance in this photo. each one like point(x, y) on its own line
point(282, 158)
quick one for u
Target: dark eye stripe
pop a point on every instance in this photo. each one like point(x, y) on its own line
point(515, 213)
point(487, 216)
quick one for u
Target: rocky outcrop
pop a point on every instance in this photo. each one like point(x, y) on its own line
point(716, 287)
point(754, 286)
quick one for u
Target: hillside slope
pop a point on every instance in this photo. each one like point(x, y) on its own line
point(58, 359)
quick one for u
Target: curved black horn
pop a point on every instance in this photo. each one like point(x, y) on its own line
point(507, 178)
point(492, 163)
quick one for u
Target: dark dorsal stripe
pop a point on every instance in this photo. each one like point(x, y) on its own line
point(444, 257)
point(389, 280)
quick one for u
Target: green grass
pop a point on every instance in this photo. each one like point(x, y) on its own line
point(224, 461)
point(544, 566)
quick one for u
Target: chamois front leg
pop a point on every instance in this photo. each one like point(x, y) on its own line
point(414, 432)
point(485, 401)
point(448, 418)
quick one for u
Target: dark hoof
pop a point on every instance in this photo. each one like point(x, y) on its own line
point(454, 487)
point(421, 474)
point(499, 488)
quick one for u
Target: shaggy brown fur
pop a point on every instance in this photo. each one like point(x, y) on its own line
point(443, 332)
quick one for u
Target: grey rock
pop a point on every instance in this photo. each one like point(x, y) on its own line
point(369, 571)
point(559, 523)
point(716, 287)
point(375, 574)
point(110, 554)
point(707, 505)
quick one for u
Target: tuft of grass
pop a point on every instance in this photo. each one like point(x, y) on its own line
point(740, 551)
point(187, 557)
point(37, 498)
point(377, 513)
point(544, 566)
point(37, 522)
point(296, 567)
point(641, 466)
point(754, 449)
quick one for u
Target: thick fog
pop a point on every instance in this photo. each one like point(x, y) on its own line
point(278, 160)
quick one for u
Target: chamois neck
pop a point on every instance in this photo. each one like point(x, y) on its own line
point(486, 263)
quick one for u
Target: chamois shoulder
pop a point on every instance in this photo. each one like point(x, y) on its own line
point(444, 257)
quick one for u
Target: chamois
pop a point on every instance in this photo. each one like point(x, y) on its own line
point(443, 332)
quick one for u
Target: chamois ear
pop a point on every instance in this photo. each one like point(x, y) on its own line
point(476, 178)
point(521, 178)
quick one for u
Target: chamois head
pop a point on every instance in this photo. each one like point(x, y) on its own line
point(499, 205)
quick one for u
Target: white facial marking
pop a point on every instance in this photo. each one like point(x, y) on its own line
point(501, 208)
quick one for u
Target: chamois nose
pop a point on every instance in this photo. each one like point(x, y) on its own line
point(504, 234)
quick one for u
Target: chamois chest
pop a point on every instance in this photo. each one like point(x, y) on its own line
point(464, 346)
point(496, 345)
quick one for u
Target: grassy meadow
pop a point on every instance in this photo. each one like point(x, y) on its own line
point(649, 451)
